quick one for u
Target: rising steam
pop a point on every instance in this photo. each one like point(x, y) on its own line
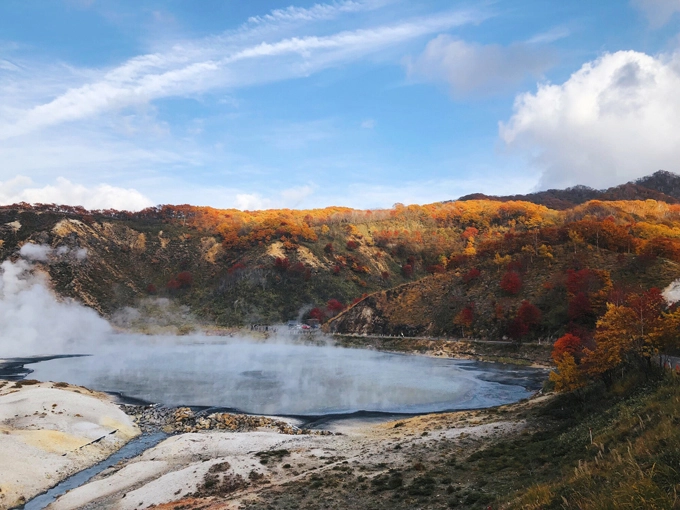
point(280, 375)
point(32, 320)
point(672, 293)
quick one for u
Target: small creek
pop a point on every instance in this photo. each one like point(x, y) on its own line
point(132, 449)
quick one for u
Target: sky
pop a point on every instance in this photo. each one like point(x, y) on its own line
point(360, 103)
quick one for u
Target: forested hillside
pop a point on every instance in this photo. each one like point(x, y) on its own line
point(481, 268)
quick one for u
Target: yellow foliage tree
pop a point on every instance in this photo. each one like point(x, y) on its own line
point(568, 376)
point(546, 252)
point(630, 332)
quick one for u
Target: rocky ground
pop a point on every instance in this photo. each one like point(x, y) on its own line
point(224, 460)
point(49, 431)
point(153, 418)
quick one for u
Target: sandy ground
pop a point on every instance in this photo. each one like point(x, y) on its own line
point(176, 469)
point(45, 431)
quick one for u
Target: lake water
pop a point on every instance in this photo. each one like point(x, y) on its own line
point(283, 378)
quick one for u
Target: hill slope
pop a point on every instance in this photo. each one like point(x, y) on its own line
point(432, 269)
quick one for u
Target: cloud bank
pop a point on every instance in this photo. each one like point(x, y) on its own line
point(477, 69)
point(102, 196)
point(615, 119)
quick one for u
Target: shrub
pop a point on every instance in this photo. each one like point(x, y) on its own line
point(472, 274)
point(511, 282)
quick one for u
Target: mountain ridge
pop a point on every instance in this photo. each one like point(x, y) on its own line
point(662, 186)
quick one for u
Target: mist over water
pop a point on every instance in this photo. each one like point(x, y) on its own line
point(279, 376)
point(286, 378)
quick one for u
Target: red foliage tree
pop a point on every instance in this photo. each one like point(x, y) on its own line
point(281, 264)
point(580, 309)
point(298, 268)
point(456, 261)
point(385, 275)
point(352, 245)
point(517, 329)
point(407, 270)
point(318, 314)
point(328, 248)
point(511, 282)
point(185, 279)
point(436, 268)
point(173, 284)
point(585, 280)
point(334, 306)
point(467, 315)
point(529, 314)
point(336, 270)
point(472, 274)
point(647, 305)
point(151, 289)
point(236, 267)
point(567, 344)
point(469, 232)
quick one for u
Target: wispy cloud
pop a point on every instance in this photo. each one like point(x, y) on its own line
point(216, 64)
point(658, 12)
point(317, 12)
point(552, 35)
point(98, 125)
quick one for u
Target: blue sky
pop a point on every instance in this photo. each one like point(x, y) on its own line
point(364, 103)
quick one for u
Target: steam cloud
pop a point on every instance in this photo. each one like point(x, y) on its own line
point(672, 293)
point(281, 375)
point(33, 321)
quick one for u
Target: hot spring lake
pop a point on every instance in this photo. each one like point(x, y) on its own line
point(276, 378)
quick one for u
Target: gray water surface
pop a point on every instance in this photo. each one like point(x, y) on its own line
point(282, 378)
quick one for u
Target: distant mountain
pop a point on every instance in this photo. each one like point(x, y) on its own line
point(662, 186)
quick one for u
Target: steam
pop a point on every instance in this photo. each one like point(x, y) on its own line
point(33, 321)
point(157, 316)
point(282, 374)
point(672, 293)
point(43, 253)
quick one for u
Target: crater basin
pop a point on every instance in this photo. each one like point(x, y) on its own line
point(289, 379)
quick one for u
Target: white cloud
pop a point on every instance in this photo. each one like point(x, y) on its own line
point(473, 68)
point(213, 63)
point(317, 12)
point(368, 124)
point(615, 119)
point(252, 202)
point(102, 196)
point(288, 198)
point(293, 197)
point(658, 12)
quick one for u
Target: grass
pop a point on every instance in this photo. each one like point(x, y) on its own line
point(633, 460)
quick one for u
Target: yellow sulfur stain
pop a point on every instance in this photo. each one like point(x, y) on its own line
point(50, 440)
point(123, 429)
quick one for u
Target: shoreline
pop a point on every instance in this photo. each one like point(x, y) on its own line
point(258, 456)
point(353, 432)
